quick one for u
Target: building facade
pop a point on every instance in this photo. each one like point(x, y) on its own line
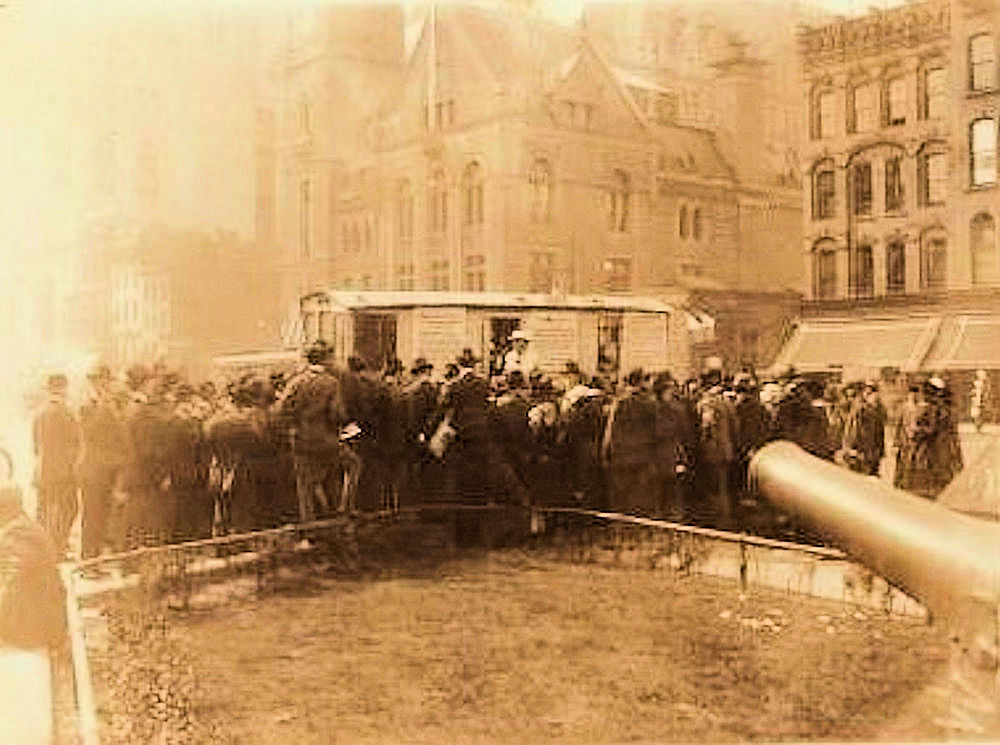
point(900, 230)
point(512, 156)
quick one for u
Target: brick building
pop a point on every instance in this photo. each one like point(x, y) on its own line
point(900, 238)
point(510, 154)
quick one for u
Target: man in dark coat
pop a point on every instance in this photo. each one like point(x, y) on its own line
point(420, 404)
point(150, 510)
point(718, 435)
point(629, 448)
point(56, 435)
point(314, 408)
point(583, 423)
point(104, 447)
point(864, 435)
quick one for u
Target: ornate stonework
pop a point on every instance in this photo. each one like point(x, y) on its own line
point(907, 26)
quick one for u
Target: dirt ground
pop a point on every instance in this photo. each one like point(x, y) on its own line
point(516, 648)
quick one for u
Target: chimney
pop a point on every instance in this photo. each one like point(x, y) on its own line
point(740, 89)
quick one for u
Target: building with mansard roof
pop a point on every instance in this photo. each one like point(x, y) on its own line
point(511, 155)
point(900, 240)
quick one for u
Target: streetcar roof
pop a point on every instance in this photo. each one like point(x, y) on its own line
point(347, 300)
point(259, 357)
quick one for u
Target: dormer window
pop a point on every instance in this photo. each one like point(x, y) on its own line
point(577, 114)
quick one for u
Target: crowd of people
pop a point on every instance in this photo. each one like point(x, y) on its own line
point(151, 458)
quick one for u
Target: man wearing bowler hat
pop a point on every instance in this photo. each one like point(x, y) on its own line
point(56, 436)
point(104, 447)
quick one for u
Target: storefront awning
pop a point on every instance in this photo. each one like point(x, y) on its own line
point(966, 342)
point(819, 346)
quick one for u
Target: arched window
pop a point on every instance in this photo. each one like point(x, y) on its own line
point(404, 210)
point(982, 63)
point(825, 270)
point(696, 226)
point(933, 260)
point(437, 202)
point(682, 222)
point(983, 152)
point(618, 202)
point(983, 244)
point(895, 267)
point(540, 183)
point(472, 192)
point(824, 190)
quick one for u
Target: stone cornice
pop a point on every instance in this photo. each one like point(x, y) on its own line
point(874, 33)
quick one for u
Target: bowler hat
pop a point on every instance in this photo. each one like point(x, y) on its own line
point(57, 383)
point(467, 358)
point(420, 365)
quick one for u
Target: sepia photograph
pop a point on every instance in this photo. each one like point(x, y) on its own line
point(499, 372)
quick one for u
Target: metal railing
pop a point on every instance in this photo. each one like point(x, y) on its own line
point(174, 567)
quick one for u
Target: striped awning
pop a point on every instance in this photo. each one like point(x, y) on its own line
point(829, 345)
point(966, 342)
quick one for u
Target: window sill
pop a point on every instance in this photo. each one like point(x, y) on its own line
point(896, 213)
point(980, 187)
point(981, 92)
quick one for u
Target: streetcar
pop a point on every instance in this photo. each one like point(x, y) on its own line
point(600, 334)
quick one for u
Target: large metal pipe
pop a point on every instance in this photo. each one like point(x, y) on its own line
point(947, 560)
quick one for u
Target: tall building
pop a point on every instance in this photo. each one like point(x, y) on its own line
point(511, 155)
point(900, 238)
point(168, 144)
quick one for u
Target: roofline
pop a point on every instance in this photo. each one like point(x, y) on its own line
point(359, 300)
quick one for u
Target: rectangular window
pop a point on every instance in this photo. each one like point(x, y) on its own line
point(825, 115)
point(474, 273)
point(895, 268)
point(404, 277)
point(935, 92)
point(893, 184)
point(983, 155)
point(826, 275)
point(935, 178)
point(619, 274)
point(861, 176)
point(305, 217)
point(540, 272)
point(823, 199)
point(439, 276)
point(982, 63)
point(865, 108)
point(863, 272)
point(897, 101)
